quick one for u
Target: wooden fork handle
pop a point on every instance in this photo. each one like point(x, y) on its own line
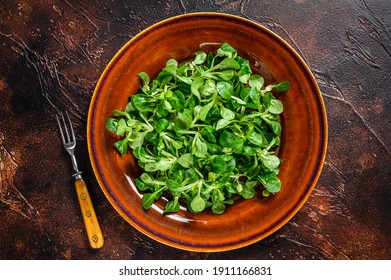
point(91, 223)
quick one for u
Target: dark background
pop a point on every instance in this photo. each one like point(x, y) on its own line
point(52, 54)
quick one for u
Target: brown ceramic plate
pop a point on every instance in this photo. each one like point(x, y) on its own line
point(304, 137)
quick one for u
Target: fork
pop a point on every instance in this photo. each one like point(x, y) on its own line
point(91, 223)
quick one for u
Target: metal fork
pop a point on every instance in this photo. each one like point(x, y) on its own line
point(91, 223)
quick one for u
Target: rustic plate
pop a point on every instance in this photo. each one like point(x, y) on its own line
point(304, 137)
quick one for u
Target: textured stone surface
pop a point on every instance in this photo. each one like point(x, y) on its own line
point(52, 54)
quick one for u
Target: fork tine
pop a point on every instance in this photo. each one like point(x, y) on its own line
point(65, 126)
point(71, 126)
point(60, 127)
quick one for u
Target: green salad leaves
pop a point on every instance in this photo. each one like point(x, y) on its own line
point(203, 132)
